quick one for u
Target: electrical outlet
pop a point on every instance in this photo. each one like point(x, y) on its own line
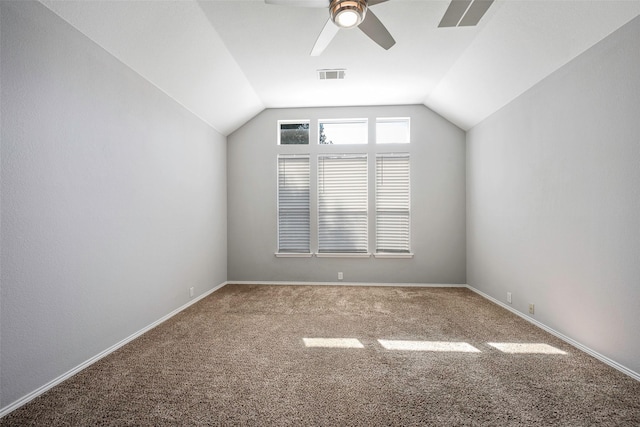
point(340, 276)
point(509, 297)
point(191, 290)
point(532, 309)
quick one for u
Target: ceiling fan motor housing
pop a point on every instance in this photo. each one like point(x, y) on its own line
point(347, 13)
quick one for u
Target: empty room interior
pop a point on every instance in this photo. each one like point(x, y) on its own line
point(320, 212)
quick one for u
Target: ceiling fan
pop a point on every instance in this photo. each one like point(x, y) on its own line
point(355, 13)
point(464, 13)
point(345, 14)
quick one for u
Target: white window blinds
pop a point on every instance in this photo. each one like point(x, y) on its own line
point(392, 203)
point(342, 203)
point(293, 204)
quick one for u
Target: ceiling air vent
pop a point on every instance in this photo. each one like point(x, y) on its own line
point(331, 74)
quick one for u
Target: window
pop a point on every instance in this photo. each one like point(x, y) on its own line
point(325, 191)
point(392, 203)
point(293, 132)
point(293, 204)
point(342, 204)
point(343, 131)
point(395, 130)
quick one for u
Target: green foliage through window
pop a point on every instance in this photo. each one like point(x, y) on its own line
point(323, 136)
point(294, 133)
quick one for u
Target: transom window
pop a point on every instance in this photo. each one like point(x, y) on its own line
point(342, 131)
point(393, 130)
point(293, 132)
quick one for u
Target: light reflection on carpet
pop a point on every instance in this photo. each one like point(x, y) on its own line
point(525, 348)
point(438, 346)
point(333, 342)
point(428, 346)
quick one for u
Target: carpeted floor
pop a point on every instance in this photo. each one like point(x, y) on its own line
point(238, 358)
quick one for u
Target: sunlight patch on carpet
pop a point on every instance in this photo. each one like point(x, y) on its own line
point(333, 342)
point(526, 348)
point(428, 346)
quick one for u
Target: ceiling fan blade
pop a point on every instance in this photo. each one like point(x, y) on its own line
point(376, 31)
point(475, 12)
point(374, 2)
point(326, 35)
point(300, 3)
point(454, 13)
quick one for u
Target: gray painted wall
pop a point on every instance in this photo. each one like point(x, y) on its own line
point(437, 201)
point(553, 182)
point(113, 201)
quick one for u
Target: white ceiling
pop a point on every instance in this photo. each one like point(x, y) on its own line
point(228, 60)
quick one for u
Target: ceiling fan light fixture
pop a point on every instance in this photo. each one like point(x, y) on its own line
point(347, 13)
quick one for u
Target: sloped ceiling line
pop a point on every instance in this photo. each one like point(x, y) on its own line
point(174, 46)
point(227, 60)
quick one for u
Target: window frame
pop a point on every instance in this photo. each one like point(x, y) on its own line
point(323, 214)
point(371, 150)
point(289, 252)
point(380, 120)
point(397, 177)
point(364, 121)
point(293, 122)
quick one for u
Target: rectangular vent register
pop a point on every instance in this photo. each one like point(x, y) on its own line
point(337, 74)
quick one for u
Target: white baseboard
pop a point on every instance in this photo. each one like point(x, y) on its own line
point(560, 335)
point(302, 283)
point(27, 398)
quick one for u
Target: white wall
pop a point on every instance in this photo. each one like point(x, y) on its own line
point(437, 201)
point(553, 184)
point(113, 201)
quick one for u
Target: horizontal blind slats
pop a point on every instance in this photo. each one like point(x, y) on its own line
point(294, 225)
point(342, 204)
point(392, 203)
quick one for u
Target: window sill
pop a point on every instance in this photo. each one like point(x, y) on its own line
point(393, 255)
point(293, 255)
point(343, 255)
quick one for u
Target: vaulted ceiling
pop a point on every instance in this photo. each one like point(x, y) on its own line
point(228, 60)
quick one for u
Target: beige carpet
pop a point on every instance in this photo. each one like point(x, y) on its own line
point(238, 358)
